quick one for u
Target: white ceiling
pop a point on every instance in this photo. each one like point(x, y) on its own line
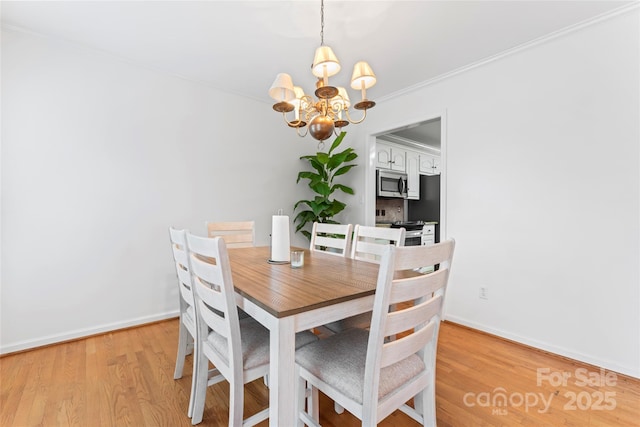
point(239, 46)
point(425, 133)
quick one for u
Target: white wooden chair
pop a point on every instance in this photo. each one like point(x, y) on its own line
point(236, 234)
point(369, 242)
point(334, 239)
point(370, 376)
point(367, 245)
point(187, 332)
point(239, 349)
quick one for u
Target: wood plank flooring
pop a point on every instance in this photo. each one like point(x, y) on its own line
point(125, 378)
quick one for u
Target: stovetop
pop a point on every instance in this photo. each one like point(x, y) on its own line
point(408, 225)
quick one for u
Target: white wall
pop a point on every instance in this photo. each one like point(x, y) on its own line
point(542, 188)
point(543, 191)
point(99, 157)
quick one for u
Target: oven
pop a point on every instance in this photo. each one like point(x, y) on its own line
point(413, 231)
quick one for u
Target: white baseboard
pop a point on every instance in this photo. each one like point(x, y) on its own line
point(632, 371)
point(81, 333)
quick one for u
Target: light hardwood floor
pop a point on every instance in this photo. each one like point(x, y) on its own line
point(125, 378)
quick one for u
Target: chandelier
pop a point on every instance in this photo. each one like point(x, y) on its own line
point(331, 109)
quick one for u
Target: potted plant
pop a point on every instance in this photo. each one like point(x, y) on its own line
point(326, 167)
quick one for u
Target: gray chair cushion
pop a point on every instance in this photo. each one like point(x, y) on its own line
point(255, 343)
point(362, 321)
point(339, 360)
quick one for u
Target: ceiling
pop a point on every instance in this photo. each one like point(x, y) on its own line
point(426, 133)
point(240, 46)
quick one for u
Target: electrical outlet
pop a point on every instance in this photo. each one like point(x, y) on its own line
point(484, 293)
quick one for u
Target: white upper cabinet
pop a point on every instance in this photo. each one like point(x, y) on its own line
point(391, 158)
point(429, 164)
point(383, 156)
point(413, 175)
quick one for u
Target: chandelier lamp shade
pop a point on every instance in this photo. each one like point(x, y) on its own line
point(320, 116)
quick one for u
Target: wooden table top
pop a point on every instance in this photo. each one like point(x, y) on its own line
point(283, 291)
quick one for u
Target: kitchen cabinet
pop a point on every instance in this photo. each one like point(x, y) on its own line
point(429, 164)
point(390, 157)
point(413, 174)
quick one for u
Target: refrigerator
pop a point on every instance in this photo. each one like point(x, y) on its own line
point(427, 209)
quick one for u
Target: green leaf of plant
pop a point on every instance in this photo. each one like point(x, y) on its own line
point(343, 170)
point(321, 188)
point(342, 188)
point(336, 160)
point(303, 218)
point(300, 202)
point(337, 141)
point(351, 157)
point(319, 209)
point(308, 175)
point(318, 166)
point(336, 207)
point(322, 158)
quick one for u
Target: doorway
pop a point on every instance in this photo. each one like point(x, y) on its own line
point(427, 136)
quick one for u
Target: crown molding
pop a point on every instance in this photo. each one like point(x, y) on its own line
point(524, 46)
point(409, 143)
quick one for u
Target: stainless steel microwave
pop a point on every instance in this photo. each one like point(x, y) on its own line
point(391, 184)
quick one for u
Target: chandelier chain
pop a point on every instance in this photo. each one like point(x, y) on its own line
point(322, 23)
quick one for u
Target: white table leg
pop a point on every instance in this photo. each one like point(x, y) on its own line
point(282, 398)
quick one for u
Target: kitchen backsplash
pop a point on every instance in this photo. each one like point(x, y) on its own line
point(389, 210)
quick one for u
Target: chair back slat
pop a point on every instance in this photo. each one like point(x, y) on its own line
point(410, 318)
point(210, 295)
point(184, 277)
point(401, 348)
point(330, 242)
point(203, 268)
point(424, 285)
point(238, 240)
point(334, 239)
point(369, 242)
point(214, 319)
point(180, 255)
point(236, 234)
point(439, 253)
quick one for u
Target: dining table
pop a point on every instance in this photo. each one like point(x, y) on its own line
point(288, 300)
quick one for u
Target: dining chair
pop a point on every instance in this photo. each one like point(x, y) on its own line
point(187, 329)
point(236, 234)
point(334, 239)
point(239, 349)
point(369, 242)
point(367, 245)
point(367, 374)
